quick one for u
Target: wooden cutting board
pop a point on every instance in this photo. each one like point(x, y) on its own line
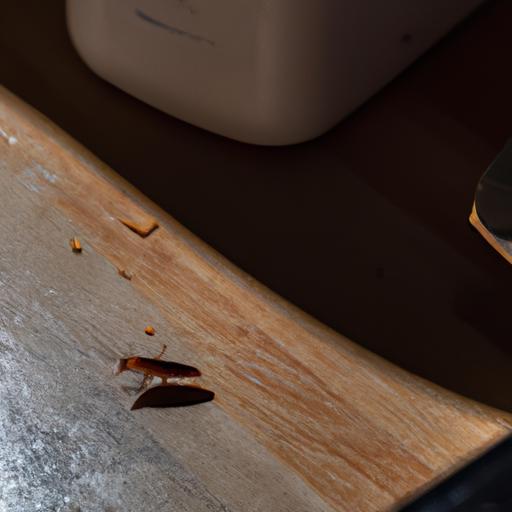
point(303, 419)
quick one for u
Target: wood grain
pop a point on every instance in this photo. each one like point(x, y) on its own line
point(303, 419)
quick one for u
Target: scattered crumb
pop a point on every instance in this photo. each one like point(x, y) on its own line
point(123, 273)
point(142, 230)
point(75, 244)
point(150, 331)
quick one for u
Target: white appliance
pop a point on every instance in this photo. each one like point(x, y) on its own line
point(260, 71)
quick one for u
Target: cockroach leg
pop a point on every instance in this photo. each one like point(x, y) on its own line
point(146, 381)
point(151, 368)
point(164, 348)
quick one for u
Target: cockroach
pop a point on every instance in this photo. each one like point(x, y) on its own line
point(155, 367)
point(75, 244)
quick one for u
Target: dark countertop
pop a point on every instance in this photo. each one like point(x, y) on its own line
point(365, 228)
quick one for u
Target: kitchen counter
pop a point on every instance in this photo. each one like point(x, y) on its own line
point(303, 418)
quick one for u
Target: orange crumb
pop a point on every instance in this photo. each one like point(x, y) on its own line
point(142, 230)
point(75, 244)
point(150, 331)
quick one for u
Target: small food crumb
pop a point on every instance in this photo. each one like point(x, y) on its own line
point(142, 230)
point(150, 331)
point(123, 273)
point(75, 244)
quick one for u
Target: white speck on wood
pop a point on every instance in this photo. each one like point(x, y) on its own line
point(47, 175)
point(31, 177)
point(253, 379)
point(11, 139)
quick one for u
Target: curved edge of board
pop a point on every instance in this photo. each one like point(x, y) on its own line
point(361, 432)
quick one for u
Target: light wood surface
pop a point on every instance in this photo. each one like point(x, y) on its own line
point(303, 419)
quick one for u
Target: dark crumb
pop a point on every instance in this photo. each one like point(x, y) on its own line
point(123, 273)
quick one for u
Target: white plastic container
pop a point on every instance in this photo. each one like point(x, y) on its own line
point(261, 71)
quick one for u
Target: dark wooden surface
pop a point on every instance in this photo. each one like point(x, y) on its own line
point(366, 228)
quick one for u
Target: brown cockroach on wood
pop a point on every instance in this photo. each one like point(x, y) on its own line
point(165, 395)
point(152, 368)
